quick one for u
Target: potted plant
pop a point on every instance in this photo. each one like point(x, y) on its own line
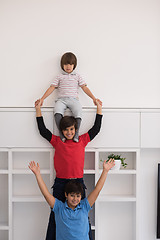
point(118, 161)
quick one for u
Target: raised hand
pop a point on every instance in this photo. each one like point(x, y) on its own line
point(108, 165)
point(34, 168)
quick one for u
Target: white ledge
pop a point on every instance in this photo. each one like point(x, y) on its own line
point(90, 109)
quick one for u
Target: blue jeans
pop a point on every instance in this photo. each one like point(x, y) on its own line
point(58, 192)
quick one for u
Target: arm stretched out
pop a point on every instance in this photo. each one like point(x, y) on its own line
point(98, 121)
point(94, 194)
point(36, 170)
point(46, 94)
point(89, 93)
point(41, 126)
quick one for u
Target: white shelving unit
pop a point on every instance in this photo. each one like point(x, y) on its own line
point(89, 179)
point(117, 204)
point(4, 199)
point(119, 195)
point(19, 191)
point(25, 193)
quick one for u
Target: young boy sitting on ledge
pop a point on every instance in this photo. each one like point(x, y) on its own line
point(72, 216)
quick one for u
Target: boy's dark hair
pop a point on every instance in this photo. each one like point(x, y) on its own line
point(74, 187)
point(68, 58)
point(67, 121)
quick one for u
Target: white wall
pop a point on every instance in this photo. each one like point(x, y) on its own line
point(116, 42)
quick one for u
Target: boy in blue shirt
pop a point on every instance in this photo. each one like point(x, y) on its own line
point(72, 216)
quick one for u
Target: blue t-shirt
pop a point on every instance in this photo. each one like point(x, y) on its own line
point(72, 224)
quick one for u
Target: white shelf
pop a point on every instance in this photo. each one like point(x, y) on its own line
point(93, 228)
point(28, 171)
point(4, 171)
point(4, 226)
point(116, 198)
point(121, 171)
point(87, 171)
point(28, 199)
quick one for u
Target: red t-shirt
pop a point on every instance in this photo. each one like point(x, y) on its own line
point(69, 156)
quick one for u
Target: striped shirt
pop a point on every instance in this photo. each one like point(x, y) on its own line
point(68, 84)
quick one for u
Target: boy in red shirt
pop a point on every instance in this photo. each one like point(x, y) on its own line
point(69, 154)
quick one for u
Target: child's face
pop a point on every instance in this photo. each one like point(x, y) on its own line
point(69, 132)
point(73, 199)
point(68, 68)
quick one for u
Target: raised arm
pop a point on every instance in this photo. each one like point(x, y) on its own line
point(38, 108)
point(98, 121)
point(41, 126)
point(36, 170)
point(89, 93)
point(94, 194)
point(47, 93)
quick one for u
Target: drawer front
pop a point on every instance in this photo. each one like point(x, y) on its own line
point(150, 130)
point(118, 129)
point(19, 129)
